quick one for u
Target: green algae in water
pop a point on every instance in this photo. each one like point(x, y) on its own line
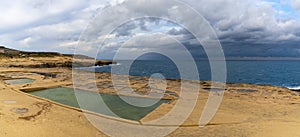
point(119, 107)
point(19, 81)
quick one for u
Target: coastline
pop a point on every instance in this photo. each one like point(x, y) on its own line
point(246, 110)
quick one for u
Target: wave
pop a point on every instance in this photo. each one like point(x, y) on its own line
point(110, 65)
point(294, 88)
point(117, 64)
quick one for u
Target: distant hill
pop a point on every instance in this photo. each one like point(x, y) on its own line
point(12, 53)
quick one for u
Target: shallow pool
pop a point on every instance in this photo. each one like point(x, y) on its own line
point(119, 107)
point(19, 81)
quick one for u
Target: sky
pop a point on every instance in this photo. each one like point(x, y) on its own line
point(245, 28)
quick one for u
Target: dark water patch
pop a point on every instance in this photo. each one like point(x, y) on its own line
point(214, 89)
point(46, 74)
point(246, 90)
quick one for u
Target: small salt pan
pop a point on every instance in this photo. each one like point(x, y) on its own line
point(19, 110)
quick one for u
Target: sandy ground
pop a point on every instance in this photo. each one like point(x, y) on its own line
point(266, 111)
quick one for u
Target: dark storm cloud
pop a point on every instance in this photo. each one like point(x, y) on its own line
point(248, 28)
point(251, 42)
point(126, 29)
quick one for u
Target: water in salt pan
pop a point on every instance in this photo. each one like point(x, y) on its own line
point(119, 107)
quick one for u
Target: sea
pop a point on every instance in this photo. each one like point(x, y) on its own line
point(284, 73)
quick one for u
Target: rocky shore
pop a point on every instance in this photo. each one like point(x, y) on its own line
point(54, 62)
point(246, 110)
point(22, 59)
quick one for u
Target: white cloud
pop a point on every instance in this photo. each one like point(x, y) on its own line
point(27, 41)
point(20, 13)
point(288, 37)
point(44, 24)
point(58, 30)
point(296, 4)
